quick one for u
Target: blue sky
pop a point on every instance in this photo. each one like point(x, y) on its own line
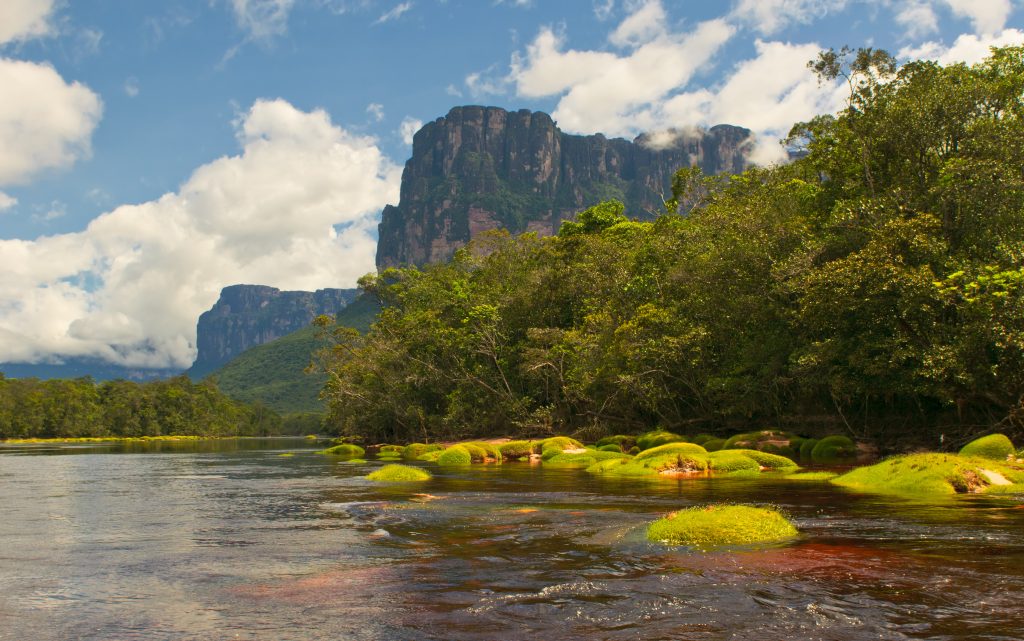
point(152, 153)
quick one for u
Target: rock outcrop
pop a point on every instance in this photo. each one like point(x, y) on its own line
point(250, 315)
point(481, 168)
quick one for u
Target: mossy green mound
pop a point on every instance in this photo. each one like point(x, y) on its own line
point(671, 448)
point(514, 450)
point(713, 444)
point(719, 525)
point(768, 460)
point(414, 451)
point(806, 448)
point(677, 463)
point(555, 445)
point(455, 455)
point(489, 451)
point(811, 476)
point(833, 448)
point(585, 459)
point(732, 461)
point(430, 456)
point(935, 474)
point(701, 439)
point(345, 449)
point(397, 473)
point(395, 450)
point(624, 442)
point(994, 446)
point(611, 447)
point(656, 438)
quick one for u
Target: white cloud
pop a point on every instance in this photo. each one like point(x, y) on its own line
point(918, 18)
point(967, 48)
point(988, 16)
point(44, 121)
point(486, 83)
point(613, 94)
point(262, 19)
point(376, 111)
point(25, 19)
point(7, 201)
point(642, 26)
point(408, 129)
point(394, 14)
point(296, 209)
point(603, 9)
point(452, 90)
point(771, 16)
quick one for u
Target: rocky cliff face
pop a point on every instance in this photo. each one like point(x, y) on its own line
point(250, 315)
point(480, 168)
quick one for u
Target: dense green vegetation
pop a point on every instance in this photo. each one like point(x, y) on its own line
point(875, 286)
point(32, 408)
point(275, 373)
point(719, 525)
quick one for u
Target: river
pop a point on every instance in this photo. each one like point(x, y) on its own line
point(232, 540)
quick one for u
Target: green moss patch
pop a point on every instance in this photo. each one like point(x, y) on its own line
point(345, 449)
point(994, 446)
point(713, 444)
point(767, 460)
point(833, 448)
point(935, 474)
point(551, 447)
point(455, 455)
point(656, 438)
point(514, 450)
point(671, 448)
point(731, 461)
point(622, 441)
point(397, 473)
point(811, 476)
point(585, 459)
point(414, 451)
point(719, 525)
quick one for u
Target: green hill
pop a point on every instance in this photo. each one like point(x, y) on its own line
point(274, 373)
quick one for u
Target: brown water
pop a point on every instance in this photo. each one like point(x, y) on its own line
point(230, 540)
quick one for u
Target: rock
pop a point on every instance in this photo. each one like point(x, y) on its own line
point(483, 168)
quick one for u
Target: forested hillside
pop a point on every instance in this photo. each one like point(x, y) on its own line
point(876, 285)
point(31, 408)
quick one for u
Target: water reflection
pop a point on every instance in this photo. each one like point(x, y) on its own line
point(235, 541)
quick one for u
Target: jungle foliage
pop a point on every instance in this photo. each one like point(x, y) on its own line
point(75, 408)
point(875, 284)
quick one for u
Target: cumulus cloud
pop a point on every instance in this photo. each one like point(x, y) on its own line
point(967, 48)
point(918, 18)
point(771, 16)
point(7, 202)
point(295, 209)
point(44, 121)
point(408, 129)
point(987, 16)
point(25, 19)
point(647, 86)
point(611, 93)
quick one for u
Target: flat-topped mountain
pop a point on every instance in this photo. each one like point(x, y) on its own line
point(250, 315)
point(481, 168)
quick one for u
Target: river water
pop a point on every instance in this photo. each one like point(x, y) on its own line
point(232, 540)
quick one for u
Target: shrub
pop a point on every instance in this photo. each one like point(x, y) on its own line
point(718, 525)
point(994, 446)
point(399, 473)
